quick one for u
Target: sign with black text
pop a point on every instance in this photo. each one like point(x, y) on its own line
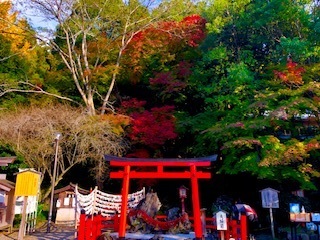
point(221, 219)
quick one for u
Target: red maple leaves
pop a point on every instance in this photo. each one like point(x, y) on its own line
point(164, 40)
point(152, 127)
point(292, 76)
point(195, 26)
point(190, 30)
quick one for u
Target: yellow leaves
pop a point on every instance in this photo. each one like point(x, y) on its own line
point(305, 168)
point(276, 153)
point(14, 30)
point(294, 153)
point(117, 121)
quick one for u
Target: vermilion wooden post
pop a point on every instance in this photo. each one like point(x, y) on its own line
point(99, 224)
point(234, 231)
point(244, 229)
point(94, 227)
point(88, 230)
point(82, 223)
point(196, 203)
point(228, 231)
point(124, 202)
point(116, 222)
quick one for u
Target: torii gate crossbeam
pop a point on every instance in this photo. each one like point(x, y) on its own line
point(161, 169)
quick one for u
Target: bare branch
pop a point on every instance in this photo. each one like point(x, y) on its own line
point(35, 89)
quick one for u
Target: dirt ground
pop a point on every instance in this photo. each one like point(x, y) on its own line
point(56, 233)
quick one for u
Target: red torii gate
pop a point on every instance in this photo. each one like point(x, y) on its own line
point(160, 168)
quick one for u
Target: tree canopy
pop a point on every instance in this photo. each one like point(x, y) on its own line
point(235, 78)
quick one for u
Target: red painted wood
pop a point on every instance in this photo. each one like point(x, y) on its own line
point(88, 228)
point(164, 163)
point(228, 231)
point(162, 175)
point(156, 223)
point(236, 229)
point(243, 226)
point(161, 171)
point(94, 227)
point(116, 222)
point(196, 203)
point(99, 224)
point(233, 228)
point(82, 222)
point(124, 203)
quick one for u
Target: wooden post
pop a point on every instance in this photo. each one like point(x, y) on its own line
point(244, 228)
point(124, 203)
point(94, 227)
point(222, 235)
point(76, 212)
point(196, 203)
point(99, 224)
point(271, 222)
point(228, 231)
point(88, 228)
point(23, 219)
point(233, 225)
point(116, 222)
point(82, 225)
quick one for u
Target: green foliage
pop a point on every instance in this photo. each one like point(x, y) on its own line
point(17, 220)
point(233, 96)
point(41, 214)
point(223, 12)
point(11, 63)
point(298, 49)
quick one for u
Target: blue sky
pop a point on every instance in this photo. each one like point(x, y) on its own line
point(35, 18)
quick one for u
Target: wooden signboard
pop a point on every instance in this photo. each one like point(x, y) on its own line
point(221, 219)
point(27, 183)
point(300, 217)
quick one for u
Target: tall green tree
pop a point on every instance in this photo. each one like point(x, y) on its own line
point(255, 83)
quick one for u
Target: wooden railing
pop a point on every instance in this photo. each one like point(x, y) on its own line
point(92, 226)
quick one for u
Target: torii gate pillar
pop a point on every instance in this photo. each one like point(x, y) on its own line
point(124, 203)
point(160, 173)
point(196, 204)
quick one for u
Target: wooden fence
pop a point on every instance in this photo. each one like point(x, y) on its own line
point(92, 226)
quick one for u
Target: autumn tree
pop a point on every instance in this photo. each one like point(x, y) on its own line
point(91, 38)
point(257, 110)
point(148, 130)
point(292, 75)
point(163, 45)
point(23, 62)
point(31, 131)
